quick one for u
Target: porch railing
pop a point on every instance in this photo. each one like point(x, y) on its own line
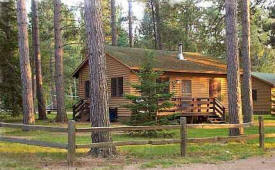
point(273, 103)
point(197, 107)
point(79, 107)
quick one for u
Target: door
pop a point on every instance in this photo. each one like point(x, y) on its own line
point(215, 88)
point(186, 99)
point(186, 88)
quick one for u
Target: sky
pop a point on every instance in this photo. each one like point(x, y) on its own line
point(137, 10)
point(138, 7)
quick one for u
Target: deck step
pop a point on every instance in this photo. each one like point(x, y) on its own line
point(216, 121)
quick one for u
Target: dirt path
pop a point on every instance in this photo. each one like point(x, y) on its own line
point(254, 163)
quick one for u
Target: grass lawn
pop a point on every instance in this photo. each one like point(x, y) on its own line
point(18, 156)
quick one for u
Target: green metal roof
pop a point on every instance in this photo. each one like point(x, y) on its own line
point(266, 77)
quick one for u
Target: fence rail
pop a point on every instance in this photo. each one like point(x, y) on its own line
point(163, 127)
point(33, 127)
point(72, 130)
point(33, 142)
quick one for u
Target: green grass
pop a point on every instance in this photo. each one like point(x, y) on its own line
point(16, 156)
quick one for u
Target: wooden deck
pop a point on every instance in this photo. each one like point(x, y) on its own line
point(199, 109)
point(273, 102)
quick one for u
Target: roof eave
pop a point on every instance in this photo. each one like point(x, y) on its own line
point(267, 82)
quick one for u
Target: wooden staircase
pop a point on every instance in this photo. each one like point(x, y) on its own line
point(81, 110)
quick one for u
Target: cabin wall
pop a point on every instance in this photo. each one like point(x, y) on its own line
point(199, 82)
point(114, 69)
point(263, 103)
point(200, 85)
point(83, 76)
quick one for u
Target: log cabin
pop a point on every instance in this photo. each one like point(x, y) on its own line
point(263, 92)
point(198, 83)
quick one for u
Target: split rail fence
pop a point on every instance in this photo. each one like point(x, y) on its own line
point(71, 130)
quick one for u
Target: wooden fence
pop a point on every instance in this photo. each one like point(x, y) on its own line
point(72, 130)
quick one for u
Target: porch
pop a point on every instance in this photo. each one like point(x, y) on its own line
point(197, 110)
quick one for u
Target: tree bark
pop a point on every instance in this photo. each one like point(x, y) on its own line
point(247, 101)
point(26, 75)
point(98, 88)
point(59, 76)
point(113, 22)
point(152, 4)
point(53, 93)
point(130, 18)
point(233, 76)
point(158, 25)
point(37, 57)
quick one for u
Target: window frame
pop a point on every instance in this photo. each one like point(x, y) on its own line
point(87, 86)
point(117, 87)
point(254, 95)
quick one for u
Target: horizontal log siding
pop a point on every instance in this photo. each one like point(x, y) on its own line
point(116, 69)
point(83, 76)
point(263, 103)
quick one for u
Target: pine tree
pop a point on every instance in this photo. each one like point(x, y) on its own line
point(153, 94)
point(37, 58)
point(10, 83)
point(247, 102)
point(98, 88)
point(233, 75)
point(59, 67)
point(113, 22)
point(27, 95)
point(130, 18)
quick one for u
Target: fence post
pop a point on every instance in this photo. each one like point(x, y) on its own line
point(71, 142)
point(183, 133)
point(261, 131)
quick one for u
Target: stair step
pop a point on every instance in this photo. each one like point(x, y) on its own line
point(217, 122)
point(214, 118)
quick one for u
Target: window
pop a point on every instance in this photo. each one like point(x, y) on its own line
point(254, 95)
point(117, 87)
point(164, 80)
point(186, 87)
point(87, 89)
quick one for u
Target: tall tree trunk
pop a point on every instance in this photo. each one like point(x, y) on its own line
point(37, 57)
point(152, 4)
point(98, 88)
point(53, 93)
point(130, 18)
point(247, 101)
point(158, 25)
point(59, 77)
point(113, 22)
point(33, 83)
point(233, 76)
point(26, 75)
